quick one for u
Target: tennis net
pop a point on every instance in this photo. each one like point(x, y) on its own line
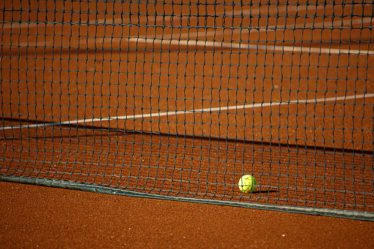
point(179, 99)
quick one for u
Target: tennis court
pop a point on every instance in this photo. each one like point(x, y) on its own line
point(178, 100)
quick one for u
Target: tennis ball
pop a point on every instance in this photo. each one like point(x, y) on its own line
point(247, 183)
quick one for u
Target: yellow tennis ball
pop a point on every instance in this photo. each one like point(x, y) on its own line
point(247, 184)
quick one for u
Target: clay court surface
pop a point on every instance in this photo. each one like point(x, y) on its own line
point(40, 217)
point(184, 121)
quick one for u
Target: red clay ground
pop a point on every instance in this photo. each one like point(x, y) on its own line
point(41, 217)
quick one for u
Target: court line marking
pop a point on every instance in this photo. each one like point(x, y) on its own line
point(95, 43)
point(258, 11)
point(203, 110)
point(278, 28)
point(216, 44)
point(248, 46)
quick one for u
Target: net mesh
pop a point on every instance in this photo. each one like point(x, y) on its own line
point(181, 98)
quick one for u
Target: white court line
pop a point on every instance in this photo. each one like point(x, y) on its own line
point(280, 10)
point(96, 43)
point(241, 30)
point(204, 110)
point(246, 46)
point(216, 44)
